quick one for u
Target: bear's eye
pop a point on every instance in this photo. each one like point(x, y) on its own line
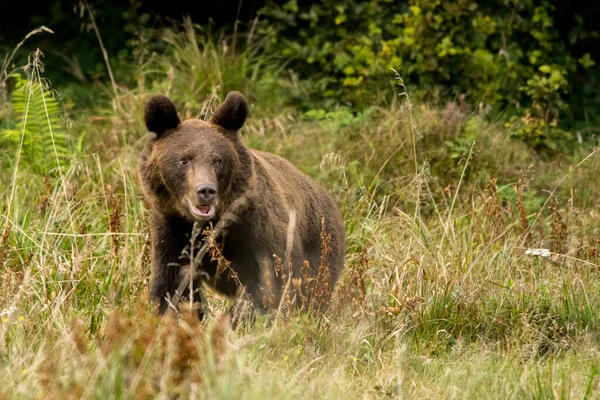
point(218, 162)
point(183, 161)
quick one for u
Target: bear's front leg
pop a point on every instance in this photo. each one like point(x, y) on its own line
point(170, 237)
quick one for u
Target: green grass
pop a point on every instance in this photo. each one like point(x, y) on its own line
point(439, 298)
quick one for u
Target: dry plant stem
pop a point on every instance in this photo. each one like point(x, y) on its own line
point(126, 205)
point(13, 184)
point(523, 215)
point(195, 233)
point(288, 260)
point(58, 166)
point(413, 125)
point(84, 235)
point(235, 27)
point(8, 60)
point(104, 54)
point(25, 234)
point(223, 223)
point(551, 195)
point(435, 206)
point(385, 163)
point(462, 175)
point(413, 131)
point(206, 107)
point(482, 252)
point(104, 196)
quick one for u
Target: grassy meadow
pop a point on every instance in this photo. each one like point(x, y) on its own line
point(443, 295)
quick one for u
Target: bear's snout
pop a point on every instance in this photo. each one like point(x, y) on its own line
point(206, 193)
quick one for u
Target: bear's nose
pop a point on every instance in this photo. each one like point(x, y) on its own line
point(207, 192)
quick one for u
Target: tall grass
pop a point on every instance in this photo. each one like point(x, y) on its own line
point(443, 302)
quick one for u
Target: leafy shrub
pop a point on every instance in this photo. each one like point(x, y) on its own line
point(503, 53)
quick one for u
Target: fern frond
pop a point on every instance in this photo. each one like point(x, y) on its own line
point(40, 123)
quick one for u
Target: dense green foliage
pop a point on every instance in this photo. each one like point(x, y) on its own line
point(502, 54)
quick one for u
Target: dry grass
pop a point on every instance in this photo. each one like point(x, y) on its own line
point(440, 298)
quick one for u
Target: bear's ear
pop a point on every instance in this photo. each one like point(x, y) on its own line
point(232, 114)
point(160, 115)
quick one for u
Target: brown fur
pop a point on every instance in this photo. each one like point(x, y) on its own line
point(184, 156)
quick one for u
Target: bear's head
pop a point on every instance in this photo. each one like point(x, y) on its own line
point(193, 167)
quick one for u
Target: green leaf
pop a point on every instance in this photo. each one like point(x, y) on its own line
point(340, 19)
point(586, 61)
point(415, 10)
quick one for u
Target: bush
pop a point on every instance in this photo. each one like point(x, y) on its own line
point(503, 53)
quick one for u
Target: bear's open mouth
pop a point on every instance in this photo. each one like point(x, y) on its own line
point(203, 211)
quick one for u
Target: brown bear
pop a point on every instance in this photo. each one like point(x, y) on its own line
point(192, 171)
